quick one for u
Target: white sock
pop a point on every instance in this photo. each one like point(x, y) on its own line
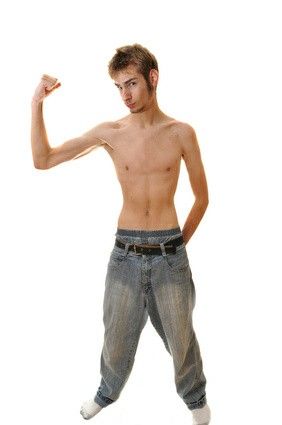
point(89, 409)
point(202, 415)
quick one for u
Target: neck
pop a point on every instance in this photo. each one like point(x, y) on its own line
point(148, 117)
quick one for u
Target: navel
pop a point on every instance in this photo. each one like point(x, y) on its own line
point(168, 169)
point(126, 167)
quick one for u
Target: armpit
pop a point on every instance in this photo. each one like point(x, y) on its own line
point(87, 150)
point(104, 142)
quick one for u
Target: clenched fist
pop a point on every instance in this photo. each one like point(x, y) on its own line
point(45, 87)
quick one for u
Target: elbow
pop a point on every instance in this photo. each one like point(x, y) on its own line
point(203, 202)
point(41, 162)
point(40, 165)
point(206, 202)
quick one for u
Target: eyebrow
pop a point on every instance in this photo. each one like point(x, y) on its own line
point(127, 81)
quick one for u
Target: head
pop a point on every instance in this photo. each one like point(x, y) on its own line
point(135, 72)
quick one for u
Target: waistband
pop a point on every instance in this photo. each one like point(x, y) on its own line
point(148, 233)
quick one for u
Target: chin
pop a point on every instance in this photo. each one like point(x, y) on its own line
point(138, 110)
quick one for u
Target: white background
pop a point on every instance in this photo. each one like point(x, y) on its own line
point(220, 71)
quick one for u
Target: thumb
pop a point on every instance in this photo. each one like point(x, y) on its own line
point(53, 87)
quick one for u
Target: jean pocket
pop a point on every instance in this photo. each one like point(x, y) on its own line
point(178, 261)
point(116, 258)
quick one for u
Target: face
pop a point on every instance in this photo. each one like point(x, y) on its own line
point(134, 90)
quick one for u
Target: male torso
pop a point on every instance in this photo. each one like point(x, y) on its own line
point(147, 163)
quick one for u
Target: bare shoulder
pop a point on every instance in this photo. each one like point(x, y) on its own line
point(107, 126)
point(100, 129)
point(104, 132)
point(110, 125)
point(183, 129)
point(186, 135)
point(111, 132)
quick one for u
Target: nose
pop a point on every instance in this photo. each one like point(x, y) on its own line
point(126, 96)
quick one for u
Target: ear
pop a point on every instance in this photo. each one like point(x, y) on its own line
point(154, 76)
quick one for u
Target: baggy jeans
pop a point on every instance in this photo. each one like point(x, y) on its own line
point(160, 286)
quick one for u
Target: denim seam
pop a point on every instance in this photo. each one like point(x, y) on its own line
point(132, 346)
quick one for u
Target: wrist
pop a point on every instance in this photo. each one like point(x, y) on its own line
point(35, 103)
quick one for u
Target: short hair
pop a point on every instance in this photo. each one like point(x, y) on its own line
point(134, 54)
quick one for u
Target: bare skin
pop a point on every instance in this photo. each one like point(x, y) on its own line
point(146, 147)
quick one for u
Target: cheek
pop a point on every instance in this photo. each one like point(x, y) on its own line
point(143, 93)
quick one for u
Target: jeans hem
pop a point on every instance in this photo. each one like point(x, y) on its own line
point(102, 401)
point(197, 404)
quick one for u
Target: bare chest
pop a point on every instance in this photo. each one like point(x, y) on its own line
point(146, 154)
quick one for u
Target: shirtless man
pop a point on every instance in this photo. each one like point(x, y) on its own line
point(148, 272)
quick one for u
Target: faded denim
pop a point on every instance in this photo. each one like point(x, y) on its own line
point(161, 287)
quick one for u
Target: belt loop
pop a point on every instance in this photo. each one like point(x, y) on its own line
point(163, 249)
point(126, 248)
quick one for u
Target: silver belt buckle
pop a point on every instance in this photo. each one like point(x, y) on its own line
point(141, 246)
point(137, 253)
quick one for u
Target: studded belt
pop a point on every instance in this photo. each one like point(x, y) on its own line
point(170, 247)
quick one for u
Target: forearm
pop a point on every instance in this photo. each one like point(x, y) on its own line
point(193, 219)
point(39, 141)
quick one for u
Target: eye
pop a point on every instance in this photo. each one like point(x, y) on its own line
point(133, 82)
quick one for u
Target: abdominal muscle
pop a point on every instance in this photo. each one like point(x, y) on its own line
point(148, 204)
point(164, 217)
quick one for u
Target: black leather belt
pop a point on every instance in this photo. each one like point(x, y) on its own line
point(170, 247)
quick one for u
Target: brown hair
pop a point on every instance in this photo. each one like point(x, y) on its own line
point(134, 54)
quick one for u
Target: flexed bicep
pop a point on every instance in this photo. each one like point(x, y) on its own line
point(77, 147)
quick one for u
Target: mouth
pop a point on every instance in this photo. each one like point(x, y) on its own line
point(130, 105)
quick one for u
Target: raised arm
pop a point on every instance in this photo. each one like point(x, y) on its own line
point(45, 156)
